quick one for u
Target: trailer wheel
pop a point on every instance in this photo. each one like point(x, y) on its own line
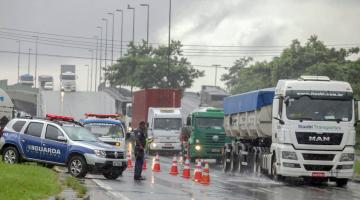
point(256, 166)
point(226, 157)
point(341, 182)
point(241, 167)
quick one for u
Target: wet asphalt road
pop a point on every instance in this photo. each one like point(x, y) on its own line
point(162, 186)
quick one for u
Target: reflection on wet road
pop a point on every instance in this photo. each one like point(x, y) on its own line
point(162, 185)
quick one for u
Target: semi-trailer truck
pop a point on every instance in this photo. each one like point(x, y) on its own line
point(46, 82)
point(302, 128)
point(160, 109)
point(68, 78)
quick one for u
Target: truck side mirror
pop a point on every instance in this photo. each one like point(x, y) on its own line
point(280, 120)
point(188, 121)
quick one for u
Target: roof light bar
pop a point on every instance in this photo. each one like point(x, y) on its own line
point(59, 117)
point(102, 115)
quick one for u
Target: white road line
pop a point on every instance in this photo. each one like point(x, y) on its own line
point(101, 184)
point(108, 189)
point(119, 195)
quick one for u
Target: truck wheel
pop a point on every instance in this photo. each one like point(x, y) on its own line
point(234, 162)
point(11, 155)
point(112, 174)
point(77, 166)
point(226, 157)
point(341, 182)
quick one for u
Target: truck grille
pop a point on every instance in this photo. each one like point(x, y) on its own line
point(318, 167)
point(310, 156)
point(319, 138)
point(210, 139)
point(113, 155)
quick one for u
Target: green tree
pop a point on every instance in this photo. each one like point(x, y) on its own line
point(146, 67)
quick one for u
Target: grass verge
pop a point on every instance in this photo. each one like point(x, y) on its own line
point(19, 182)
point(76, 186)
point(357, 167)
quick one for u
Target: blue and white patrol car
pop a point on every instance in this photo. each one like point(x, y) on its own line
point(107, 128)
point(59, 140)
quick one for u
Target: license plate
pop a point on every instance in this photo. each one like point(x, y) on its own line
point(168, 144)
point(215, 150)
point(318, 174)
point(117, 164)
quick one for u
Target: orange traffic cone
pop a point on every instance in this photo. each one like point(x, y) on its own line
point(129, 161)
point(174, 169)
point(197, 173)
point(144, 164)
point(186, 170)
point(206, 175)
point(156, 164)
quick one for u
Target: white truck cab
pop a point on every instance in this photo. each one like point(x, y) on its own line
point(164, 129)
point(68, 81)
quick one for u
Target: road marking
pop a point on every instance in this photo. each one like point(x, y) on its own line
point(119, 195)
point(108, 189)
point(101, 184)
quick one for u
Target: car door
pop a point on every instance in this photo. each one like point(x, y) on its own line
point(31, 140)
point(55, 149)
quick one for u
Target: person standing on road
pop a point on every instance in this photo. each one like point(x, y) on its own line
point(140, 142)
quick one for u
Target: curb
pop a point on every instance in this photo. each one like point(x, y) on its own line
point(356, 179)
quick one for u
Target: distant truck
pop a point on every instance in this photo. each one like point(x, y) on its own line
point(46, 82)
point(212, 96)
point(68, 78)
point(27, 79)
point(160, 109)
point(207, 135)
point(302, 128)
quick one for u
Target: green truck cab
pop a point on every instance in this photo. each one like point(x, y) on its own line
point(206, 134)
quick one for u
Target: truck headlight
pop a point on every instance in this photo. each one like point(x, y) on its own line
point(289, 155)
point(153, 145)
point(197, 141)
point(197, 147)
point(129, 129)
point(100, 153)
point(347, 157)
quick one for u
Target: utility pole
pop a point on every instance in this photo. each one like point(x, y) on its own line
point(36, 55)
point(18, 73)
point(112, 37)
point(91, 68)
point(29, 61)
point(169, 51)
point(106, 33)
point(101, 29)
point(121, 31)
point(147, 26)
point(133, 31)
point(96, 61)
point(216, 69)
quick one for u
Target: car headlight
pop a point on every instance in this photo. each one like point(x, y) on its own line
point(289, 155)
point(197, 141)
point(100, 153)
point(347, 157)
point(197, 147)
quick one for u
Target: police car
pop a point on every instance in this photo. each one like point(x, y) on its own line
point(59, 140)
point(107, 128)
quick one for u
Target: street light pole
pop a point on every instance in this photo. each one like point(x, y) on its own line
point(169, 51)
point(36, 55)
point(29, 61)
point(100, 53)
point(106, 33)
point(91, 70)
point(96, 61)
point(147, 26)
point(216, 69)
point(18, 73)
point(112, 37)
point(121, 31)
point(87, 80)
point(133, 31)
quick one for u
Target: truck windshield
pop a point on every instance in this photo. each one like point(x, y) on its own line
point(167, 123)
point(77, 133)
point(105, 130)
point(205, 122)
point(306, 108)
point(68, 77)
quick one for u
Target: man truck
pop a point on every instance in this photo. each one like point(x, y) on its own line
point(46, 82)
point(67, 78)
point(302, 128)
point(207, 135)
point(160, 109)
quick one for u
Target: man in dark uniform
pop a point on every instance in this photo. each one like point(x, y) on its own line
point(140, 135)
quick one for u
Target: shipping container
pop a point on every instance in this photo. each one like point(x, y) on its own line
point(158, 98)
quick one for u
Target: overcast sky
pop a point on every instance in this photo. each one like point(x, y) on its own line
point(256, 28)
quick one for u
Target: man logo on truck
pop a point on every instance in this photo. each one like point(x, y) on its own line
point(319, 139)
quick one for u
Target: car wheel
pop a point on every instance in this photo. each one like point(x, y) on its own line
point(77, 166)
point(112, 174)
point(11, 155)
point(341, 182)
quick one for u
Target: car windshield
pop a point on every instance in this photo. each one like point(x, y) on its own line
point(68, 77)
point(167, 123)
point(205, 122)
point(306, 108)
point(106, 130)
point(77, 133)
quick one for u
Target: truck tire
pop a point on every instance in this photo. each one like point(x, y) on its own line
point(11, 155)
point(112, 174)
point(341, 182)
point(77, 166)
point(234, 166)
point(226, 157)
